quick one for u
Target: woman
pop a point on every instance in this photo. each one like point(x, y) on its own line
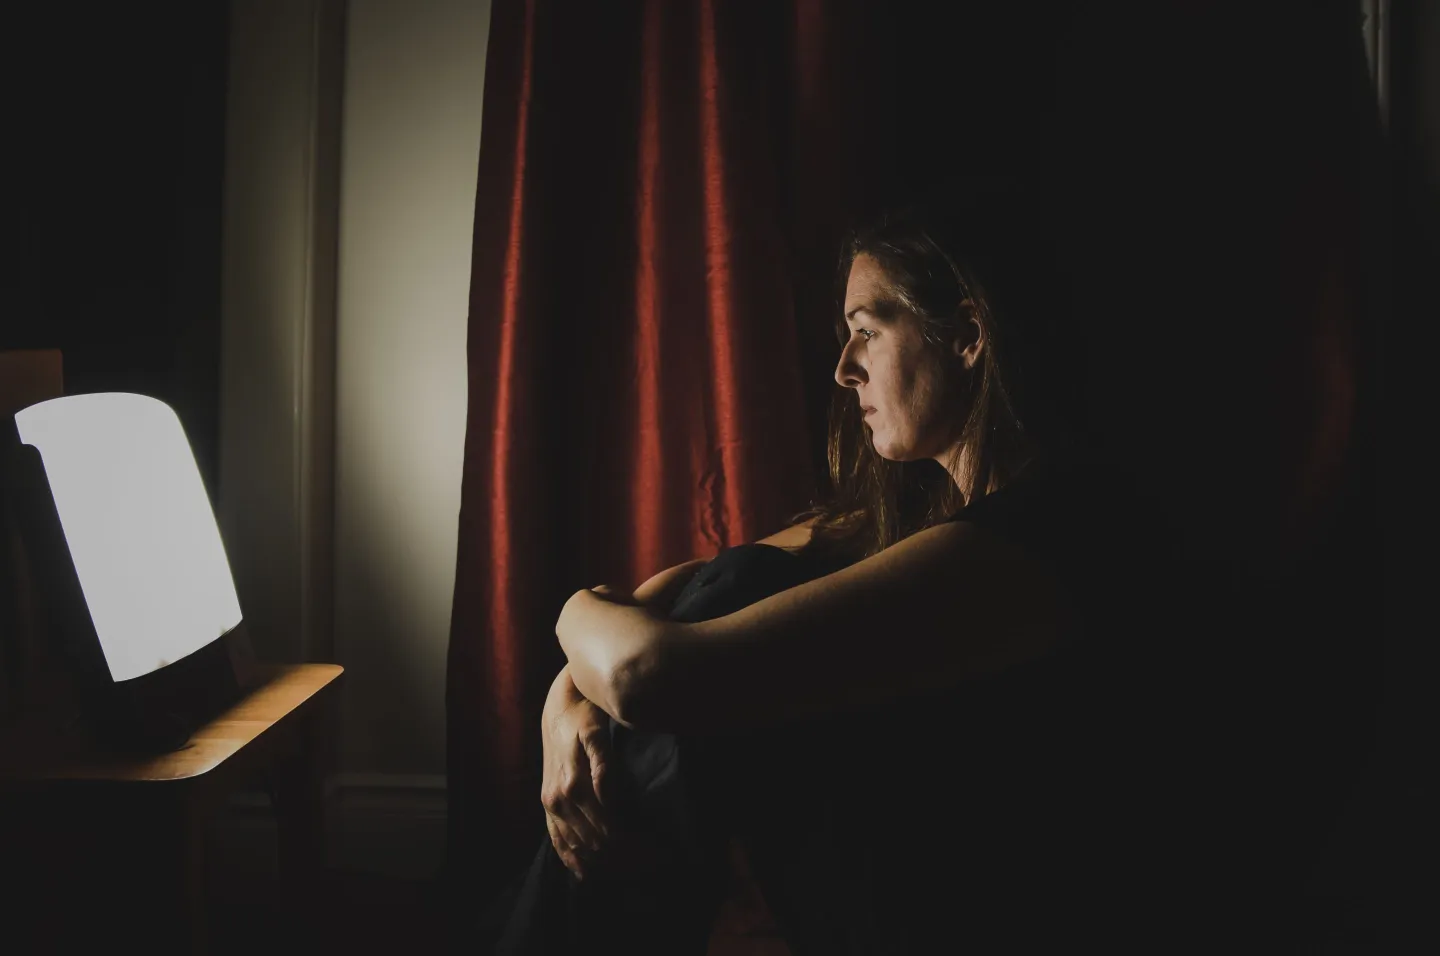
point(921, 695)
point(942, 314)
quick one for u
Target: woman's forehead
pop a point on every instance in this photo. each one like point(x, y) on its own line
point(867, 281)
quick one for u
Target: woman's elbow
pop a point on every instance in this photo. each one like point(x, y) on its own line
point(640, 689)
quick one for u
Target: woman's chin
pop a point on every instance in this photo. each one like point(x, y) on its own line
point(891, 452)
point(892, 447)
point(895, 451)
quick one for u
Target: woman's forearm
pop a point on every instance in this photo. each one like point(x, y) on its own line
point(614, 646)
point(611, 648)
point(657, 593)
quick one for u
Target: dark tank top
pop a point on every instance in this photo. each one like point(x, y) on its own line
point(1197, 729)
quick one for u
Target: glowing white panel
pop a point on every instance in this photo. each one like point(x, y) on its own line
point(141, 531)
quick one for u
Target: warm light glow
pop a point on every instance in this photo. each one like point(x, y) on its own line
point(141, 531)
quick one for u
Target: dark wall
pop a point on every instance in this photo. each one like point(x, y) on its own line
point(122, 141)
point(1403, 799)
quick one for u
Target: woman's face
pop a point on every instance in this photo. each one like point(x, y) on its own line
point(909, 390)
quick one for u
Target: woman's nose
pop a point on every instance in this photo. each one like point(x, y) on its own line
point(848, 373)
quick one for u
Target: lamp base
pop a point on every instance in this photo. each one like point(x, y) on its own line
point(156, 713)
point(140, 732)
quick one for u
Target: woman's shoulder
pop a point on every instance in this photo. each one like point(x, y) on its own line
point(792, 538)
point(1052, 486)
point(1063, 509)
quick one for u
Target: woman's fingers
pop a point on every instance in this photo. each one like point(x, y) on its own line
point(596, 833)
point(583, 796)
point(595, 741)
point(561, 840)
point(572, 801)
point(613, 594)
point(574, 771)
point(577, 828)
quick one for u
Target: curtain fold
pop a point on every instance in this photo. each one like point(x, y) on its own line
point(635, 373)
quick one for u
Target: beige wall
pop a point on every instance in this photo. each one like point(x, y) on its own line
point(410, 143)
point(353, 134)
point(277, 319)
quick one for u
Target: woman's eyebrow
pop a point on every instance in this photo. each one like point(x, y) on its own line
point(880, 308)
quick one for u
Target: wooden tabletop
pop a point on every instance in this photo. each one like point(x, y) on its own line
point(66, 755)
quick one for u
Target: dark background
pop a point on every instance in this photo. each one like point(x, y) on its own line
point(121, 140)
point(1397, 842)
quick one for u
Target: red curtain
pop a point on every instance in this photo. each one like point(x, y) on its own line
point(635, 393)
point(662, 189)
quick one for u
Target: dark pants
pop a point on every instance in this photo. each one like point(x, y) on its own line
point(690, 796)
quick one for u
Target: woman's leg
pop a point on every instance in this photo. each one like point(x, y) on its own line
point(790, 794)
point(662, 904)
point(669, 907)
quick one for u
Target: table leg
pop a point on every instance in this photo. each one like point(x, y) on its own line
point(176, 827)
point(191, 869)
point(299, 795)
point(144, 882)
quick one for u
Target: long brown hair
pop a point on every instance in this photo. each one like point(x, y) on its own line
point(988, 255)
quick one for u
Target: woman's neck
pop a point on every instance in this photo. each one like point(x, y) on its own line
point(960, 462)
point(973, 477)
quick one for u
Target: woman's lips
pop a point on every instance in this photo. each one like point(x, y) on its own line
point(867, 410)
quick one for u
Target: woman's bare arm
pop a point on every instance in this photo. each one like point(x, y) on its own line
point(943, 605)
point(659, 591)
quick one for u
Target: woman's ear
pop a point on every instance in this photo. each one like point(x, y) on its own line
point(969, 340)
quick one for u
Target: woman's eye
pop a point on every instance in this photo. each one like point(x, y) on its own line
point(868, 333)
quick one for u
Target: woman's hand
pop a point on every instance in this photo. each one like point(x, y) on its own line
point(575, 735)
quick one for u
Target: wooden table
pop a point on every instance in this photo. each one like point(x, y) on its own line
point(131, 829)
